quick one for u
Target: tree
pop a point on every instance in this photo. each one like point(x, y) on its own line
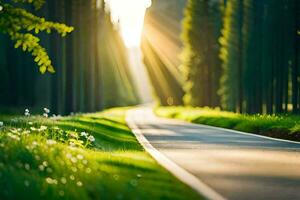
point(22, 27)
point(200, 54)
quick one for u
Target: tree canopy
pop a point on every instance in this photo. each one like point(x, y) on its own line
point(22, 26)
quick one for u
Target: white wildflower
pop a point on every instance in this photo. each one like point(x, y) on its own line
point(14, 137)
point(42, 167)
point(84, 134)
point(1, 124)
point(63, 180)
point(74, 160)
point(51, 181)
point(27, 113)
point(46, 110)
point(51, 142)
point(72, 177)
point(91, 138)
point(45, 163)
point(80, 157)
point(26, 132)
point(88, 170)
point(1, 8)
point(30, 123)
point(45, 115)
point(43, 128)
point(79, 183)
point(35, 143)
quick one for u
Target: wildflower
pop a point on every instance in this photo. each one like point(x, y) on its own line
point(14, 137)
point(26, 132)
point(1, 124)
point(74, 160)
point(30, 123)
point(79, 183)
point(51, 181)
point(74, 169)
point(51, 142)
point(42, 167)
point(27, 113)
point(34, 143)
point(63, 180)
point(88, 170)
point(45, 115)
point(46, 110)
point(80, 157)
point(33, 128)
point(84, 134)
point(91, 138)
point(72, 177)
point(1, 8)
point(15, 131)
point(43, 128)
point(72, 144)
point(68, 155)
point(84, 162)
point(45, 163)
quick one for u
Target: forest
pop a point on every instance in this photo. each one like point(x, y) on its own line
point(91, 67)
point(241, 55)
point(149, 99)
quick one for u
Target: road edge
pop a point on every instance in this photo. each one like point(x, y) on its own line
point(180, 173)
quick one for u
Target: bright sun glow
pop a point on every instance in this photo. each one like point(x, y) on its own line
point(130, 15)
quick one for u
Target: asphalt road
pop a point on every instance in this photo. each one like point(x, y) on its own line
point(236, 166)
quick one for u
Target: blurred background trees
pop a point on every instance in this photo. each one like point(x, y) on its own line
point(240, 55)
point(91, 63)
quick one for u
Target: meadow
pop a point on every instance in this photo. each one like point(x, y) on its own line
point(90, 156)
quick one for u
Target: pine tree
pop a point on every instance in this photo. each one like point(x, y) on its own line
point(200, 54)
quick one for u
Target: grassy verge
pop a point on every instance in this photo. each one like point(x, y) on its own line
point(277, 126)
point(44, 158)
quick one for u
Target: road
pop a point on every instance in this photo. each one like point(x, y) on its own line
point(237, 166)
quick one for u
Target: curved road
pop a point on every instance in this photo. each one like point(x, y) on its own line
point(237, 166)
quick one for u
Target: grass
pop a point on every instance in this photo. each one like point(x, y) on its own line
point(42, 158)
point(277, 126)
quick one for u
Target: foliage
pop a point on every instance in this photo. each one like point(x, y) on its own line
point(200, 54)
point(260, 56)
point(45, 164)
point(278, 126)
point(22, 26)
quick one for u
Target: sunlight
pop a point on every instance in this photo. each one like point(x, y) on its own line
point(130, 15)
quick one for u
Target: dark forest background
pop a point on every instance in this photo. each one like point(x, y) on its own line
point(92, 71)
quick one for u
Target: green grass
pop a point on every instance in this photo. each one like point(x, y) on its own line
point(278, 126)
point(55, 162)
